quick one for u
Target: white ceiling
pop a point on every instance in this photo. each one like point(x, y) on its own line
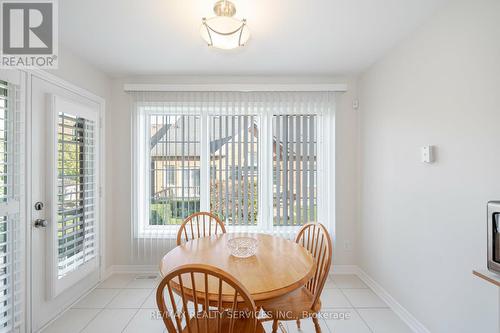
point(289, 37)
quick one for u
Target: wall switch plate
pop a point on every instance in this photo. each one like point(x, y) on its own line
point(428, 154)
point(355, 104)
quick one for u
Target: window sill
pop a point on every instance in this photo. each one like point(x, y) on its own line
point(157, 232)
point(170, 232)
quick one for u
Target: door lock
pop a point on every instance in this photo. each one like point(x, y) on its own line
point(38, 205)
point(40, 223)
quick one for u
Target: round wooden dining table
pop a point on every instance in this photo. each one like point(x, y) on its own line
point(278, 267)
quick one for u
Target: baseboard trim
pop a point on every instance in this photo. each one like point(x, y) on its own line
point(344, 269)
point(132, 269)
point(415, 325)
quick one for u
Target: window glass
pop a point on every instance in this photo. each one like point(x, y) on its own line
point(175, 167)
point(294, 169)
point(234, 164)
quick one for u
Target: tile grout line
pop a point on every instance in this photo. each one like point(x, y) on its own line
point(322, 319)
point(356, 310)
point(91, 320)
point(130, 320)
point(140, 306)
point(146, 299)
point(101, 310)
point(109, 302)
point(119, 308)
point(327, 327)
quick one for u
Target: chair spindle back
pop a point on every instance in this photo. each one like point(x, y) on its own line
point(215, 290)
point(198, 225)
point(316, 239)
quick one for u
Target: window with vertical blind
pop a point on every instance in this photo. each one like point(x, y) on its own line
point(11, 198)
point(254, 159)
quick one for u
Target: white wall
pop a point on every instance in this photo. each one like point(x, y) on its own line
point(80, 73)
point(119, 153)
point(423, 227)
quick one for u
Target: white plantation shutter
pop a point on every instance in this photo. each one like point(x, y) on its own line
point(11, 201)
point(75, 174)
point(76, 212)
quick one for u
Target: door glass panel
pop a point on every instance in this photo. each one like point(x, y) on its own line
point(76, 192)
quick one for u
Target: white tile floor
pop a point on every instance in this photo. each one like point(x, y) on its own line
point(126, 303)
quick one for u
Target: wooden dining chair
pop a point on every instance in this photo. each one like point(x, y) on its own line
point(211, 301)
point(198, 225)
point(305, 302)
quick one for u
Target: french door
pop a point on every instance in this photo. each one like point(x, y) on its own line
point(12, 200)
point(65, 177)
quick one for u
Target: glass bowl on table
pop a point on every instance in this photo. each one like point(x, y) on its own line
point(243, 247)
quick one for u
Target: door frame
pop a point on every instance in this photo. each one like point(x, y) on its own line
point(101, 102)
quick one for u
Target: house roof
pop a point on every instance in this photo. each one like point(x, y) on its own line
point(168, 141)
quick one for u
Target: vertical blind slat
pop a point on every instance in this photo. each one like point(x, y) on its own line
point(298, 171)
point(227, 166)
point(245, 169)
point(233, 175)
point(238, 169)
point(277, 165)
point(252, 165)
point(290, 170)
point(311, 168)
point(305, 168)
point(285, 170)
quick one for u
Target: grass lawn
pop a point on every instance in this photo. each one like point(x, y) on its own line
point(163, 214)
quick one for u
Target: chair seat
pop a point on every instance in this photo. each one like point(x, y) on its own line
point(294, 305)
point(240, 325)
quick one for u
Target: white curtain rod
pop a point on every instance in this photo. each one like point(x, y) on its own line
point(333, 87)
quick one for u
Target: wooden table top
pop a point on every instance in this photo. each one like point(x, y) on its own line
point(279, 266)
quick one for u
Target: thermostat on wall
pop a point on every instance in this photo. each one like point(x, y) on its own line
point(428, 154)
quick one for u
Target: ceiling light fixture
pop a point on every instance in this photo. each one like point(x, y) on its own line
point(223, 30)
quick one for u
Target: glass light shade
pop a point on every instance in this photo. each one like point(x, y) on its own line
point(224, 32)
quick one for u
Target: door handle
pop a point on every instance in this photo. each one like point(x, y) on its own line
point(40, 223)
